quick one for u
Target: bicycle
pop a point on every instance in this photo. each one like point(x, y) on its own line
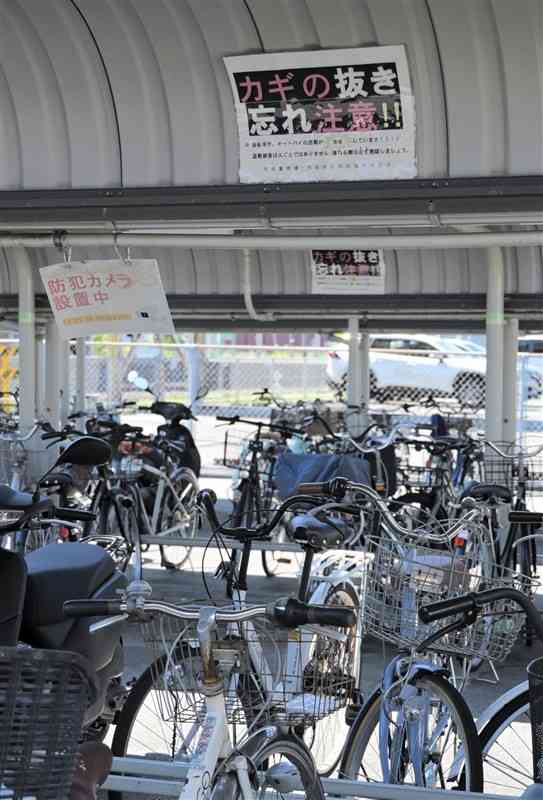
point(508, 726)
point(228, 670)
point(144, 709)
point(143, 493)
point(395, 738)
point(254, 493)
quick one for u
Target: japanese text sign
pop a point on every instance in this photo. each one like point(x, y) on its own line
point(324, 115)
point(348, 272)
point(90, 297)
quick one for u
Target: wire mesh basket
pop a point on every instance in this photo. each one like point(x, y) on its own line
point(43, 697)
point(516, 471)
point(269, 674)
point(235, 449)
point(400, 578)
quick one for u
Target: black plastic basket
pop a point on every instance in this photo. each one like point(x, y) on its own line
point(535, 683)
point(43, 697)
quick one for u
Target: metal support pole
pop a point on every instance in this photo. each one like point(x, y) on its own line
point(365, 378)
point(27, 340)
point(510, 380)
point(80, 372)
point(194, 380)
point(56, 388)
point(354, 375)
point(41, 377)
point(494, 344)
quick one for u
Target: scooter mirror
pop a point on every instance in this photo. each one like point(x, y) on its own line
point(141, 383)
point(132, 376)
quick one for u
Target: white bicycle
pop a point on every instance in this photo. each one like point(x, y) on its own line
point(253, 668)
point(147, 724)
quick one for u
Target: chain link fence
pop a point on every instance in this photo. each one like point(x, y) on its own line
point(409, 380)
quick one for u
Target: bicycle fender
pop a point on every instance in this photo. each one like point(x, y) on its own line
point(424, 668)
point(499, 703)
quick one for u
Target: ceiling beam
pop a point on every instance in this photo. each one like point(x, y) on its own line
point(241, 206)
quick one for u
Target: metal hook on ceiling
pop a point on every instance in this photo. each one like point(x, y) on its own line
point(125, 259)
point(67, 255)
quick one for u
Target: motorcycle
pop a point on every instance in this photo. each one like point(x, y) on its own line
point(36, 585)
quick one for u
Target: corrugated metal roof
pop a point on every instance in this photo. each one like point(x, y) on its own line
point(205, 272)
point(104, 92)
point(134, 93)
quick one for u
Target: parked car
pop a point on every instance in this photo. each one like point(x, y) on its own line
point(416, 364)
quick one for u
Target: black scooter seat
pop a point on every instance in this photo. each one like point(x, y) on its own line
point(10, 500)
point(60, 572)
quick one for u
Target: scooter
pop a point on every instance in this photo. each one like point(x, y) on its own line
point(187, 453)
point(36, 586)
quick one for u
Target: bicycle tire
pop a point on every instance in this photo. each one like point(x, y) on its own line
point(175, 556)
point(516, 711)
point(260, 751)
point(367, 722)
point(331, 731)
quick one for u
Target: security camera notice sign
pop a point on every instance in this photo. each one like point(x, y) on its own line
point(348, 272)
point(90, 297)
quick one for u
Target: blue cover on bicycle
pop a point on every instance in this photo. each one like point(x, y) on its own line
point(291, 469)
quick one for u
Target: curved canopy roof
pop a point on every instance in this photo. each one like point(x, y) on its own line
point(114, 94)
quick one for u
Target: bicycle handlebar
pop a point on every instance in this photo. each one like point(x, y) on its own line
point(338, 487)
point(511, 456)
point(471, 603)
point(207, 498)
point(290, 614)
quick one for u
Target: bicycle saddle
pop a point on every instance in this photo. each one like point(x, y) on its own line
point(322, 535)
point(10, 500)
point(488, 491)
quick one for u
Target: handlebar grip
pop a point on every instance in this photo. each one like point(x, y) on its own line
point(208, 498)
point(128, 403)
point(75, 515)
point(52, 435)
point(447, 608)
point(294, 613)
point(337, 616)
point(312, 488)
point(477, 600)
point(107, 423)
point(228, 419)
point(91, 608)
point(528, 517)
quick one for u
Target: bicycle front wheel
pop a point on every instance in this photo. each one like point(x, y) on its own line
point(440, 724)
point(277, 768)
point(181, 516)
point(163, 713)
point(506, 741)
